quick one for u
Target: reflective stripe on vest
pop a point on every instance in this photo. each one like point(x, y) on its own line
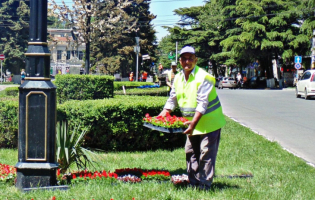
point(212, 106)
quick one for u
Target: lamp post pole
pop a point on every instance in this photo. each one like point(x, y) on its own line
point(1, 73)
point(137, 50)
point(37, 165)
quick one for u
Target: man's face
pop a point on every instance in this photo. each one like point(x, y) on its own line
point(188, 61)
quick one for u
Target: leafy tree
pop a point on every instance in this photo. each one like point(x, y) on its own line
point(116, 53)
point(14, 31)
point(95, 21)
point(236, 33)
point(167, 45)
point(269, 29)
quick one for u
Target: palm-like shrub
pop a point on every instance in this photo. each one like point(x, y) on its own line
point(69, 148)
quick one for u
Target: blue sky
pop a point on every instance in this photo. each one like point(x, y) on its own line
point(165, 15)
point(163, 9)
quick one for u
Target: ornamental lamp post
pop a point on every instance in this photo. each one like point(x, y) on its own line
point(137, 50)
point(36, 167)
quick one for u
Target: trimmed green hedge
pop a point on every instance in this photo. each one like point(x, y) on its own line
point(162, 91)
point(129, 84)
point(116, 123)
point(83, 87)
point(8, 123)
point(12, 91)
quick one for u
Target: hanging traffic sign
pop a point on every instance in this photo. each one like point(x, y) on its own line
point(2, 56)
point(297, 65)
point(298, 59)
point(171, 56)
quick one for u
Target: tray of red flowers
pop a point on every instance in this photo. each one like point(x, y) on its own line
point(167, 124)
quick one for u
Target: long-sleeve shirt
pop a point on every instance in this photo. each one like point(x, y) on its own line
point(203, 92)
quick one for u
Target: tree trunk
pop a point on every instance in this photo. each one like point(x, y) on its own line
point(87, 44)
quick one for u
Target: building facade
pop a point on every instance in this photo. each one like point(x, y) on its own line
point(66, 52)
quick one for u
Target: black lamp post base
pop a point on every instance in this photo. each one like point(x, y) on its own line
point(36, 175)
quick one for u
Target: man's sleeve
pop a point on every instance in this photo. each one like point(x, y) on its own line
point(171, 102)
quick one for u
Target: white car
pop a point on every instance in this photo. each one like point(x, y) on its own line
point(306, 85)
point(227, 82)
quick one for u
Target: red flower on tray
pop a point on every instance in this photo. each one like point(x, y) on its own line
point(167, 122)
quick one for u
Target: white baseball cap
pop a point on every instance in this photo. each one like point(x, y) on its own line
point(187, 49)
point(173, 64)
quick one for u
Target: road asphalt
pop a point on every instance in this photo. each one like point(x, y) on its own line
point(277, 115)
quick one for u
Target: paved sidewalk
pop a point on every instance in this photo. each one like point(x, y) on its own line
point(2, 87)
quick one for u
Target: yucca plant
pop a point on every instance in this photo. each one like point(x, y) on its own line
point(69, 148)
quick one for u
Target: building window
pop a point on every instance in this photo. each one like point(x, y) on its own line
point(68, 55)
point(74, 54)
point(59, 54)
point(80, 55)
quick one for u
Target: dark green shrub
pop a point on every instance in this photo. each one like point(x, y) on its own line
point(129, 84)
point(162, 91)
point(117, 124)
point(83, 87)
point(8, 124)
point(11, 91)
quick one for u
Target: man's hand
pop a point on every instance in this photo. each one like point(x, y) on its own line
point(164, 111)
point(190, 128)
point(192, 124)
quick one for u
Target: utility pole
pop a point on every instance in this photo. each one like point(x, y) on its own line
point(176, 51)
point(1, 58)
point(137, 50)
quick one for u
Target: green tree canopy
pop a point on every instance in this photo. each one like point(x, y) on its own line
point(14, 32)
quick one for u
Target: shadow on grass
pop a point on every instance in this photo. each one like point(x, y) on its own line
point(178, 171)
point(214, 186)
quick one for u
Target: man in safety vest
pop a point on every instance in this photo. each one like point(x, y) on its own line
point(171, 75)
point(194, 92)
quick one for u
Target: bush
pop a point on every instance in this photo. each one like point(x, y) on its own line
point(8, 124)
point(83, 87)
point(129, 84)
point(162, 91)
point(11, 91)
point(116, 123)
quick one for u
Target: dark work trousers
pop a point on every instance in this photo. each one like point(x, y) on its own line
point(201, 152)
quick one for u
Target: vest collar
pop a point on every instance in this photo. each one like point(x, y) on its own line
point(193, 72)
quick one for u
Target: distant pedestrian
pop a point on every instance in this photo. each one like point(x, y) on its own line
point(171, 75)
point(23, 74)
point(131, 76)
point(239, 79)
point(160, 68)
point(144, 76)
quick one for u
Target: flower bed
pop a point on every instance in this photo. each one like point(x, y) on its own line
point(7, 173)
point(154, 174)
point(131, 175)
point(167, 124)
point(82, 176)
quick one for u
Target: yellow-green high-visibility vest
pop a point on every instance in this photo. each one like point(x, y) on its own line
point(186, 94)
point(169, 74)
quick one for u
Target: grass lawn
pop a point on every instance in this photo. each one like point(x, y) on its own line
point(277, 174)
